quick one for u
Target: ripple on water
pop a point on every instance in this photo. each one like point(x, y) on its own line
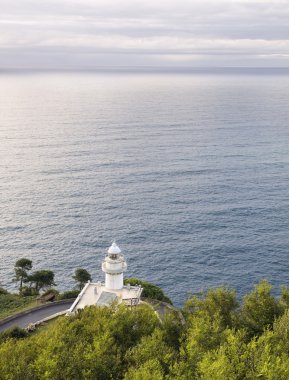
point(194, 188)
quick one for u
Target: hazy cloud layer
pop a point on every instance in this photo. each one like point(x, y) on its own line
point(86, 33)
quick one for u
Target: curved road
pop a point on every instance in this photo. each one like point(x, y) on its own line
point(32, 316)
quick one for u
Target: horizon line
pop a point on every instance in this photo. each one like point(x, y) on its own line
point(138, 68)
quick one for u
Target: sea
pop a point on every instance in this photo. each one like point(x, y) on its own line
point(187, 170)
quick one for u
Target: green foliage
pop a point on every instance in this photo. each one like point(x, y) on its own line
point(68, 295)
point(26, 291)
point(260, 309)
point(208, 316)
point(151, 349)
point(173, 329)
point(220, 302)
point(284, 299)
point(134, 325)
point(41, 279)
point(281, 332)
point(228, 361)
point(38, 280)
point(149, 290)
point(13, 303)
point(220, 340)
point(16, 358)
point(3, 291)
point(90, 345)
point(22, 266)
point(204, 333)
point(13, 332)
point(81, 276)
point(148, 371)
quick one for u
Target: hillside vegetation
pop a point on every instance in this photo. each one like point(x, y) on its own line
point(13, 303)
point(221, 339)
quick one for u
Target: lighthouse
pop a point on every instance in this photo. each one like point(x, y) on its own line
point(112, 291)
point(113, 266)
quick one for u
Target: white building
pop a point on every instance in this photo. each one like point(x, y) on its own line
point(113, 290)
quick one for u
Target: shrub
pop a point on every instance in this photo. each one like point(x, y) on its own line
point(149, 290)
point(3, 291)
point(68, 295)
point(81, 276)
point(260, 308)
point(14, 332)
point(26, 291)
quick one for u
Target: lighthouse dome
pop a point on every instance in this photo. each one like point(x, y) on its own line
point(114, 249)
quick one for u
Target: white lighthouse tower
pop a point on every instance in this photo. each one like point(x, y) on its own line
point(113, 266)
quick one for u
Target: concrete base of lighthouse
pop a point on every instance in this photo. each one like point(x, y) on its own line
point(98, 294)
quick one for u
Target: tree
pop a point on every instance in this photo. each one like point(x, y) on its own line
point(151, 348)
point(284, 299)
point(229, 361)
point(42, 279)
point(21, 267)
point(259, 309)
point(81, 276)
point(122, 344)
point(149, 370)
point(208, 317)
point(281, 333)
point(221, 302)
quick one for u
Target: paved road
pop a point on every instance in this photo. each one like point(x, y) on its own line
point(35, 315)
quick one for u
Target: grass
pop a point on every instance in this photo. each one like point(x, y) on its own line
point(13, 303)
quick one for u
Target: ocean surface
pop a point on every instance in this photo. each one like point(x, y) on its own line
point(187, 171)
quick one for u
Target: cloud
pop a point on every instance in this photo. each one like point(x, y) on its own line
point(119, 28)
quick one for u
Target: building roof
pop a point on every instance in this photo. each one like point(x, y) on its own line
point(114, 249)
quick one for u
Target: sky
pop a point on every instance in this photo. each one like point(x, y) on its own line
point(87, 34)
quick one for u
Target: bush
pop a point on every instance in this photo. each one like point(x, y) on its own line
point(14, 333)
point(149, 290)
point(68, 295)
point(3, 291)
point(260, 309)
point(27, 292)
